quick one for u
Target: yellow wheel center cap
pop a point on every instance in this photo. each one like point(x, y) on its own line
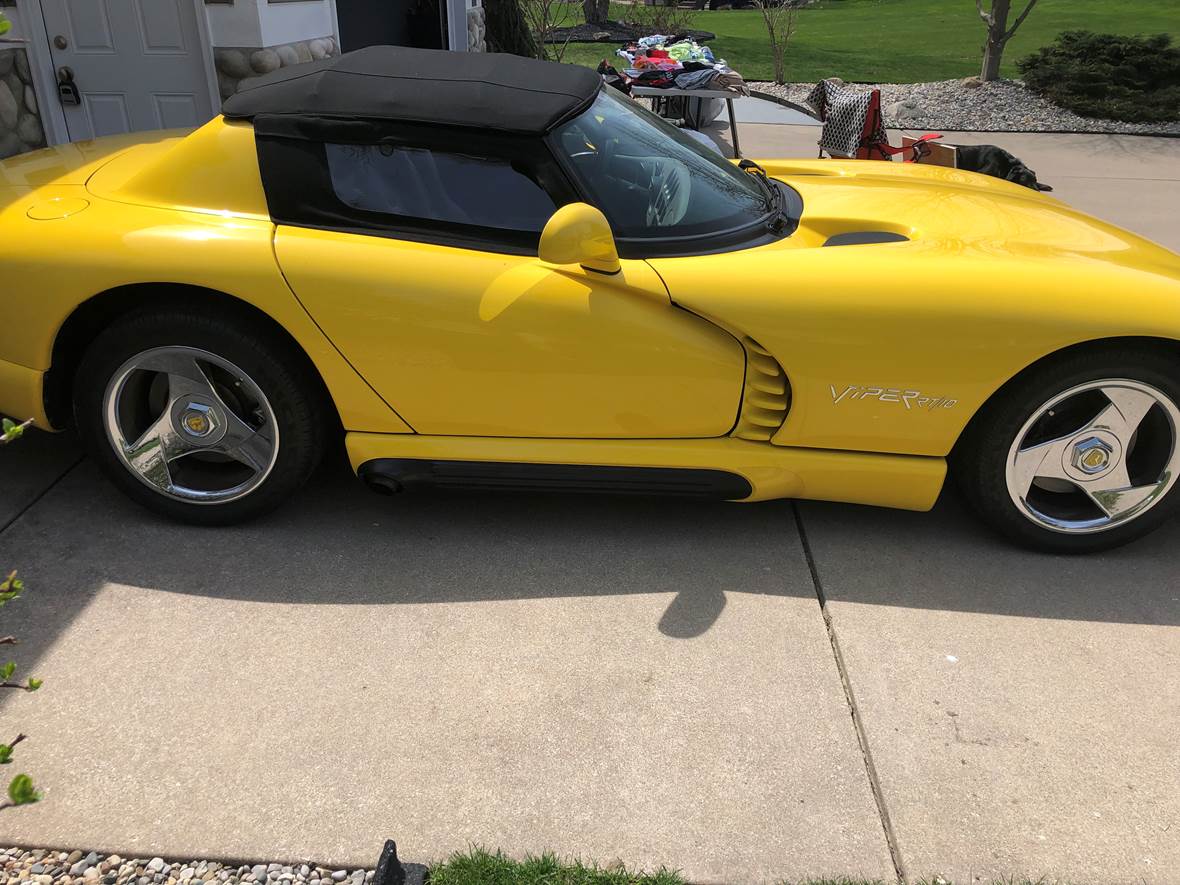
point(196, 424)
point(198, 420)
point(1092, 456)
point(199, 423)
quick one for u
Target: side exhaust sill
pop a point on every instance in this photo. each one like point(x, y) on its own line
point(390, 475)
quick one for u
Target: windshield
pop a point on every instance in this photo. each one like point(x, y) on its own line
point(652, 180)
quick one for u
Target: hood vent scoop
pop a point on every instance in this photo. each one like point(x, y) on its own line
point(865, 237)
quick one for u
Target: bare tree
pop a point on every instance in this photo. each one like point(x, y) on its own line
point(668, 18)
point(507, 30)
point(780, 18)
point(544, 17)
point(998, 33)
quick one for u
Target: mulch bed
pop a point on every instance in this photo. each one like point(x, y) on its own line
point(612, 32)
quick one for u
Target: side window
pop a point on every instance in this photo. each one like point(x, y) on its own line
point(441, 187)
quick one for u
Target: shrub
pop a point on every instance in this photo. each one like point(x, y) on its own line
point(660, 17)
point(1136, 79)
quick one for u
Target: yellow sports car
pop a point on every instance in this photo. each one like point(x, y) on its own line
point(492, 272)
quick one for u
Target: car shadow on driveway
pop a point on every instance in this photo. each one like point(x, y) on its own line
point(336, 543)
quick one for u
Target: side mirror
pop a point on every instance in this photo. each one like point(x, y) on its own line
point(579, 234)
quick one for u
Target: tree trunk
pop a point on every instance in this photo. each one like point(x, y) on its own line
point(596, 11)
point(993, 50)
point(507, 30)
point(776, 55)
point(992, 53)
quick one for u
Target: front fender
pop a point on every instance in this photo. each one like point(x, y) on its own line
point(893, 347)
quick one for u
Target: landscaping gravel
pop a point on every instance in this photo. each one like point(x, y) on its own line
point(972, 106)
point(41, 867)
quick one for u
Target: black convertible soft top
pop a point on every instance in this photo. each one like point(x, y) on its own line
point(473, 89)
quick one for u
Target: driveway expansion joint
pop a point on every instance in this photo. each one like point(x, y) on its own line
point(16, 517)
point(850, 698)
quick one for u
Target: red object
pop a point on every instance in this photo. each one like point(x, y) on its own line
point(872, 147)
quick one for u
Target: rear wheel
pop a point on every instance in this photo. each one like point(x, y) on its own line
point(198, 418)
point(1079, 455)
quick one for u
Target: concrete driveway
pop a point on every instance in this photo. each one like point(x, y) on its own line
point(746, 693)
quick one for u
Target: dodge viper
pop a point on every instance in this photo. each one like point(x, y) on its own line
point(492, 272)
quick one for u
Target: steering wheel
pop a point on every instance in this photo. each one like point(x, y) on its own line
point(668, 192)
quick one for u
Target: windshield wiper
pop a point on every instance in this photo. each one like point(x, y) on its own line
point(774, 195)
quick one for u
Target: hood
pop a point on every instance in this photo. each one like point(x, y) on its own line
point(951, 210)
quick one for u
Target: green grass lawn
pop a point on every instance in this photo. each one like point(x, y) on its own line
point(480, 867)
point(903, 41)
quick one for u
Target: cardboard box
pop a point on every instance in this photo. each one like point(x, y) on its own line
point(932, 153)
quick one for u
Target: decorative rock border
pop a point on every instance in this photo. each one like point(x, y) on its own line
point(969, 105)
point(42, 867)
point(235, 64)
point(20, 119)
point(476, 30)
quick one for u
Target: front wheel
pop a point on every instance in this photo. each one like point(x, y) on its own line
point(1080, 454)
point(200, 419)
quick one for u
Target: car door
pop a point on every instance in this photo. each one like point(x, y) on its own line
point(423, 272)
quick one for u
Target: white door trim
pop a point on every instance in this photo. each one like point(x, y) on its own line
point(335, 22)
point(53, 119)
point(206, 40)
point(457, 25)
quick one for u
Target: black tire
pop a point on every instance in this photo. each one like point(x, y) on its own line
point(284, 377)
point(979, 461)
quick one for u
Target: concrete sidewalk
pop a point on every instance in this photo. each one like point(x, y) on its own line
point(651, 681)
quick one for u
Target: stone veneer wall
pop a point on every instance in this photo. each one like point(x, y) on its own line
point(237, 64)
point(476, 30)
point(20, 120)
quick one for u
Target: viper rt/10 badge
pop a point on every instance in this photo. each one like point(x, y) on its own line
point(911, 399)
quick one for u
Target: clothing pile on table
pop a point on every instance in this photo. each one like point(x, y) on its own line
point(667, 61)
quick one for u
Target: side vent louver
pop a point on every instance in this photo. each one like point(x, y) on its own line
point(766, 396)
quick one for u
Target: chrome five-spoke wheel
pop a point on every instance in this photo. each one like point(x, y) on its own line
point(190, 425)
point(1095, 457)
point(199, 410)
